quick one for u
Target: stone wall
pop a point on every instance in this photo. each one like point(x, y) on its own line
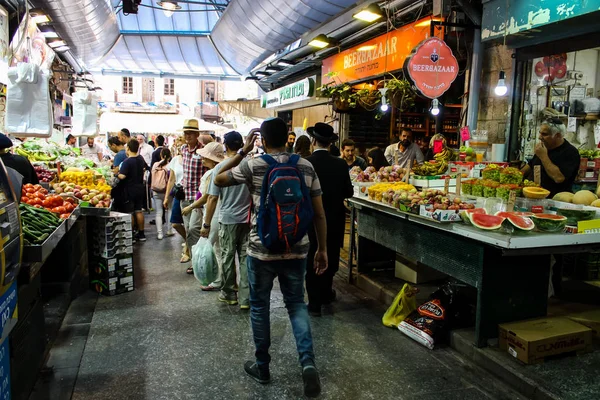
point(493, 110)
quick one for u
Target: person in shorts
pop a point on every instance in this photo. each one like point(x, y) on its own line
point(131, 188)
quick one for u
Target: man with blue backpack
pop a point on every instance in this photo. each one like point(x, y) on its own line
point(286, 197)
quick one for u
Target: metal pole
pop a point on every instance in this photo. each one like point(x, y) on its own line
point(475, 83)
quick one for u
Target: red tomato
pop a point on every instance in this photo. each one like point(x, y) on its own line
point(64, 216)
point(47, 203)
point(28, 185)
point(36, 202)
point(24, 199)
point(37, 187)
point(30, 190)
point(38, 206)
point(69, 207)
point(40, 196)
point(60, 210)
point(58, 201)
point(30, 196)
point(42, 190)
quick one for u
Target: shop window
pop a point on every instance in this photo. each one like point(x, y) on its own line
point(169, 87)
point(209, 91)
point(128, 85)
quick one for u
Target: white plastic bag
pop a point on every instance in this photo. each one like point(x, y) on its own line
point(85, 113)
point(204, 262)
point(28, 105)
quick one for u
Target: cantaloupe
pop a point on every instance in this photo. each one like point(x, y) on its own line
point(584, 197)
point(567, 197)
point(596, 203)
point(535, 193)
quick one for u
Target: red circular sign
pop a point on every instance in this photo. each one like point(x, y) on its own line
point(432, 67)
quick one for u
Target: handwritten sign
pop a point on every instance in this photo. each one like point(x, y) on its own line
point(537, 174)
point(512, 198)
point(447, 184)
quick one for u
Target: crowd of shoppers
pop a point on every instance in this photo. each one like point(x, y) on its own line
point(217, 191)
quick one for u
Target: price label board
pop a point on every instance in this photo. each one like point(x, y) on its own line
point(537, 174)
point(512, 198)
point(589, 227)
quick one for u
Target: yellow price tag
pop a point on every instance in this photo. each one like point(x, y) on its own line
point(588, 227)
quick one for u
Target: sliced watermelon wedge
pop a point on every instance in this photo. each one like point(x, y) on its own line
point(551, 216)
point(521, 223)
point(506, 214)
point(486, 222)
point(464, 214)
point(550, 222)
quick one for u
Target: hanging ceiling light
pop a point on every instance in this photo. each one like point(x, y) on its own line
point(370, 14)
point(320, 41)
point(169, 7)
point(39, 16)
point(435, 107)
point(384, 104)
point(501, 88)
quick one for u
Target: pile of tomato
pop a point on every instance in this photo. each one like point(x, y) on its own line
point(37, 196)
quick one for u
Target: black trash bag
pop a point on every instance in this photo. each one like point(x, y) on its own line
point(448, 308)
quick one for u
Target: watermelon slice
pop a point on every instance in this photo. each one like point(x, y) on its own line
point(521, 223)
point(464, 214)
point(507, 214)
point(486, 222)
point(549, 222)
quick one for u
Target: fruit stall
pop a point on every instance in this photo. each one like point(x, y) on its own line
point(498, 236)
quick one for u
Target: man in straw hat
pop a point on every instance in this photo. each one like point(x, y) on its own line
point(336, 185)
point(192, 175)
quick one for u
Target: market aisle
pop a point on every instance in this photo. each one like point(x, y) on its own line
point(169, 340)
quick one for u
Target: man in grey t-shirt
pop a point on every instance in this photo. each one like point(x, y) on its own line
point(404, 153)
point(234, 228)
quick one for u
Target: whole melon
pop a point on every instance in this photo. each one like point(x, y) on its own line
point(584, 197)
point(567, 197)
point(596, 203)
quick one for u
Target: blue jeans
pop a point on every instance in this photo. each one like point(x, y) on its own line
point(290, 273)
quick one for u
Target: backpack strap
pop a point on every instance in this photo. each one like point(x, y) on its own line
point(294, 158)
point(269, 160)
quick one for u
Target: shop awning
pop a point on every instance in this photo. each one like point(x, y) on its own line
point(153, 124)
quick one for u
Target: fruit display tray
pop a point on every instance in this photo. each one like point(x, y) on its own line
point(94, 211)
point(40, 252)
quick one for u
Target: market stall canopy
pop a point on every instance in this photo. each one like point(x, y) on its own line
point(249, 32)
point(176, 46)
point(151, 123)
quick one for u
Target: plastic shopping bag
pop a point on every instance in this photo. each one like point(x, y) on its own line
point(204, 262)
point(85, 113)
point(404, 304)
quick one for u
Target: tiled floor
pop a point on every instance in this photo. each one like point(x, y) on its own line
point(169, 340)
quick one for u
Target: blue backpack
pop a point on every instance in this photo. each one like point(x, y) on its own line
point(285, 211)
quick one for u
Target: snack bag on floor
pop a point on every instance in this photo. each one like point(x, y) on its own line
point(204, 262)
point(402, 306)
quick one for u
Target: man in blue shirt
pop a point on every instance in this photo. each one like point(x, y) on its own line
point(115, 145)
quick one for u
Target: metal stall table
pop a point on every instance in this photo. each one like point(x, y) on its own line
point(510, 272)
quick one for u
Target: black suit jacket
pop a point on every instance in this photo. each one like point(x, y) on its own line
point(336, 186)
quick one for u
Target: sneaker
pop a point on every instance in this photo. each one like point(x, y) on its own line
point(140, 236)
point(312, 383)
point(153, 222)
point(260, 375)
point(160, 236)
point(314, 311)
point(244, 306)
point(228, 300)
point(170, 233)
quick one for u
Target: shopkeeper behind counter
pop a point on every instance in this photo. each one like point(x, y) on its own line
point(559, 159)
point(405, 152)
point(17, 162)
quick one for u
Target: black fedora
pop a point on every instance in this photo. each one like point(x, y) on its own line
point(322, 132)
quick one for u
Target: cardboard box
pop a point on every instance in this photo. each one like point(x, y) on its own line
point(114, 251)
point(113, 286)
point(415, 273)
point(440, 215)
point(532, 340)
point(591, 319)
point(104, 268)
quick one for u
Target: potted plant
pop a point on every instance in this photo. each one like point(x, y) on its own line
point(368, 99)
point(401, 94)
point(343, 95)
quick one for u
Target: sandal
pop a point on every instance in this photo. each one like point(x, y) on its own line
point(184, 259)
point(189, 271)
point(209, 288)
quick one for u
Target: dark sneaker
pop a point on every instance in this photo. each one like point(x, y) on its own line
point(140, 237)
point(312, 383)
point(232, 301)
point(260, 375)
point(314, 311)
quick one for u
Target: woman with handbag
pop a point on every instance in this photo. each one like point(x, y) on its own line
point(160, 180)
point(176, 193)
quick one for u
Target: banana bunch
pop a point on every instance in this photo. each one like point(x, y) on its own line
point(445, 155)
point(430, 169)
point(34, 156)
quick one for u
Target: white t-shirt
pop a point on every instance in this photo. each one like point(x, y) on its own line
point(91, 152)
point(176, 167)
point(146, 152)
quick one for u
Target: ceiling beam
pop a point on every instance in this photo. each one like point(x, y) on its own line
point(164, 33)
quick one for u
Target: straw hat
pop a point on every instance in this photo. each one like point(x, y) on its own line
point(190, 125)
point(213, 151)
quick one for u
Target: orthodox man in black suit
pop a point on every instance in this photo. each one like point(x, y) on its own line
point(336, 185)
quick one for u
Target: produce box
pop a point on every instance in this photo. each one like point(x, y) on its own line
point(591, 319)
point(5, 389)
point(113, 218)
point(113, 286)
point(440, 215)
point(8, 310)
point(409, 208)
point(113, 234)
point(107, 242)
point(104, 268)
point(90, 211)
point(533, 340)
point(101, 251)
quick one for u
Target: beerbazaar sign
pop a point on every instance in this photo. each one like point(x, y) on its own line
point(432, 67)
point(289, 94)
point(386, 53)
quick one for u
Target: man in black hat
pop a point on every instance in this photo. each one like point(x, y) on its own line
point(17, 162)
point(336, 185)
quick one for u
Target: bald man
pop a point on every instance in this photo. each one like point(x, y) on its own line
point(145, 149)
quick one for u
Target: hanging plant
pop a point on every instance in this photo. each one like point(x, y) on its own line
point(343, 95)
point(368, 99)
point(401, 94)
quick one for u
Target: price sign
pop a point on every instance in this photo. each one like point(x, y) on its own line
point(589, 227)
point(537, 174)
point(447, 184)
point(512, 198)
point(458, 184)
